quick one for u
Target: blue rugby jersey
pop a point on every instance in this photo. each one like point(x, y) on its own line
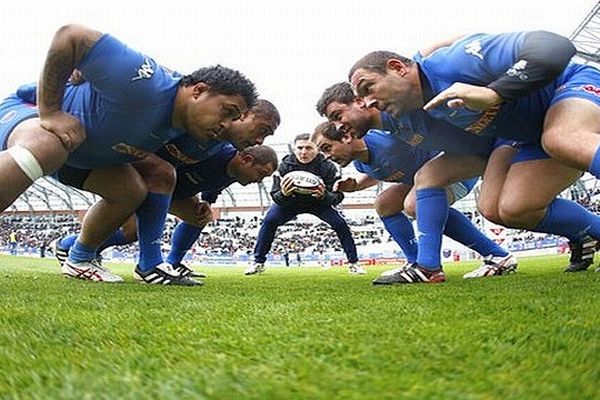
point(391, 159)
point(481, 59)
point(125, 105)
point(418, 129)
point(185, 150)
point(208, 176)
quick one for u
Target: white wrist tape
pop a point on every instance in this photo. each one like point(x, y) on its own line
point(27, 162)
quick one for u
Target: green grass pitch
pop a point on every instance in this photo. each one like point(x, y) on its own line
point(300, 333)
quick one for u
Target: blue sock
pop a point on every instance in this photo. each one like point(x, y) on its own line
point(401, 230)
point(151, 216)
point(183, 239)
point(67, 242)
point(595, 166)
point(569, 219)
point(79, 253)
point(432, 213)
point(461, 229)
point(116, 239)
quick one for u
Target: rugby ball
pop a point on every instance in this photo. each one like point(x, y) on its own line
point(304, 182)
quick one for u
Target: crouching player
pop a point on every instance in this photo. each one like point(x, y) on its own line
point(380, 156)
point(209, 177)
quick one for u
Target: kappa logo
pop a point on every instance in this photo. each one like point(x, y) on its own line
point(518, 70)
point(474, 49)
point(144, 72)
point(595, 90)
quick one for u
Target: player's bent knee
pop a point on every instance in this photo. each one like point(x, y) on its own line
point(489, 212)
point(553, 140)
point(429, 178)
point(382, 206)
point(512, 215)
point(164, 178)
point(159, 175)
point(410, 209)
point(27, 162)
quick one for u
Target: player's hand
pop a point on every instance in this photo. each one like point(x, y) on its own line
point(65, 127)
point(203, 213)
point(345, 185)
point(320, 192)
point(287, 186)
point(473, 97)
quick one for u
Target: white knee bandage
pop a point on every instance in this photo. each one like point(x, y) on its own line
point(27, 162)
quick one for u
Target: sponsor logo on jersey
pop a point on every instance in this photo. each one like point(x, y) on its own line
point(395, 177)
point(145, 71)
point(518, 70)
point(415, 139)
point(9, 116)
point(474, 48)
point(176, 153)
point(595, 90)
point(130, 150)
point(486, 118)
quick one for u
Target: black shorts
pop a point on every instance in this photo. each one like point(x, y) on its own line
point(71, 176)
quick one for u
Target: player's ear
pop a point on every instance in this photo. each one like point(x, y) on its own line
point(360, 102)
point(199, 88)
point(347, 138)
point(248, 158)
point(396, 65)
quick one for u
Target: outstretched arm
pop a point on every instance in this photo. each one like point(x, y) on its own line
point(361, 182)
point(69, 45)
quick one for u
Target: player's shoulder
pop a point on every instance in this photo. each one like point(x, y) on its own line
point(376, 138)
point(467, 47)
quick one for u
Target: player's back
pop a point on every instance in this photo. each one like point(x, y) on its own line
point(116, 132)
point(479, 60)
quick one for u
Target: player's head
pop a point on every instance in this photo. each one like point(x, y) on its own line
point(304, 150)
point(253, 164)
point(387, 81)
point(348, 112)
point(333, 143)
point(210, 99)
point(253, 126)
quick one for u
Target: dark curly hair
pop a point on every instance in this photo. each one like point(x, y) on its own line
point(223, 80)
